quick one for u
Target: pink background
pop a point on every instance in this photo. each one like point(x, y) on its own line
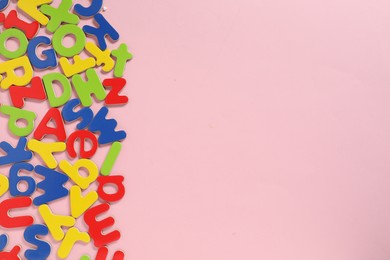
point(258, 129)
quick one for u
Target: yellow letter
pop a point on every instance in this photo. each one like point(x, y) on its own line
point(30, 7)
point(10, 66)
point(102, 57)
point(72, 236)
point(74, 174)
point(80, 204)
point(46, 150)
point(78, 65)
point(55, 222)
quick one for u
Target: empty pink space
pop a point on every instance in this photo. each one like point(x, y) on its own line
point(259, 129)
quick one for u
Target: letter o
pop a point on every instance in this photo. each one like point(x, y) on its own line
point(59, 35)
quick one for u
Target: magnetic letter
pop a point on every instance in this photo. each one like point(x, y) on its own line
point(46, 150)
point(102, 57)
point(51, 59)
point(100, 32)
point(74, 172)
point(79, 65)
point(55, 222)
point(19, 94)
point(52, 185)
point(113, 97)
point(72, 236)
point(15, 203)
point(14, 155)
point(15, 179)
point(16, 114)
point(111, 157)
point(96, 227)
point(83, 136)
point(89, 11)
point(78, 203)
point(117, 181)
point(13, 21)
point(106, 127)
point(43, 129)
point(85, 89)
point(43, 248)
point(69, 115)
point(102, 254)
point(31, 9)
point(69, 29)
point(9, 67)
point(122, 56)
point(48, 81)
point(59, 15)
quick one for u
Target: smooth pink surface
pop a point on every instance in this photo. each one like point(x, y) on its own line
point(258, 129)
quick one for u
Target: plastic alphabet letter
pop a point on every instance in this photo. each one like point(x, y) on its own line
point(12, 255)
point(31, 9)
point(16, 114)
point(85, 89)
point(13, 21)
point(3, 241)
point(46, 150)
point(17, 154)
point(43, 129)
point(72, 236)
point(15, 179)
point(100, 33)
point(19, 94)
point(79, 65)
point(43, 248)
point(111, 180)
point(4, 185)
point(16, 34)
point(111, 157)
point(3, 4)
point(122, 56)
point(51, 59)
point(69, 29)
point(69, 115)
point(102, 57)
point(102, 254)
point(113, 97)
point(55, 222)
point(48, 81)
point(59, 15)
point(83, 136)
point(78, 203)
point(9, 67)
point(53, 185)
point(74, 172)
point(89, 11)
point(106, 127)
point(15, 222)
point(96, 227)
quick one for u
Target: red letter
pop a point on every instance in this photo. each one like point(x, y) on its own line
point(36, 91)
point(113, 97)
point(82, 135)
point(12, 20)
point(59, 129)
point(15, 203)
point(103, 253)
point(117, 181)
point(96, 227)
point(12, 255)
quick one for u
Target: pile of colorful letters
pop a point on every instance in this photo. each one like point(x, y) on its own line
point(32, 75)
